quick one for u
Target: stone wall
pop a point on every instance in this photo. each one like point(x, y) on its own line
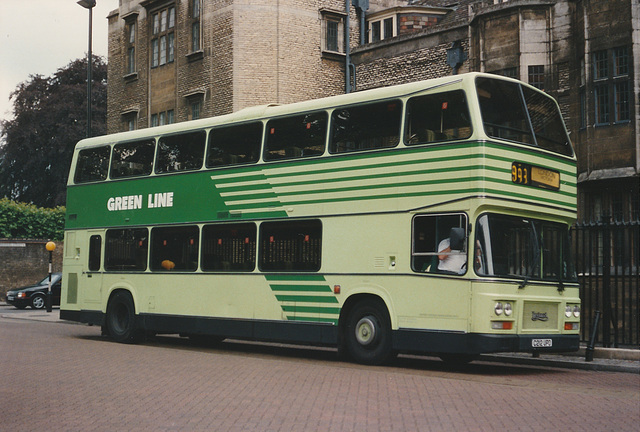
point(25, 262)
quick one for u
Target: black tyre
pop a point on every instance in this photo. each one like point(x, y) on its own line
point(38, 301)
point(368, 333)
point(121, 319)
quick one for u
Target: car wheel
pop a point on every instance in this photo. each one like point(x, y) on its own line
point(38, 301)
point(368, 333)
point(121, 319)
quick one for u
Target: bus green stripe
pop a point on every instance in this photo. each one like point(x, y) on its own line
point(465, 191)
point(312, 309)
point(301, 288)
point(313, 319)
point(306, 299)
point(230, 199)
point(286, 277)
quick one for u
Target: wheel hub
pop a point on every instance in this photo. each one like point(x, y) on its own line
point(365, 331)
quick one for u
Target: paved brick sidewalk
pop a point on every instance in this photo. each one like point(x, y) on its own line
point(607, 360)
point(68, 378)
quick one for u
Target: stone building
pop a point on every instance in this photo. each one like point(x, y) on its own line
point(174, 60)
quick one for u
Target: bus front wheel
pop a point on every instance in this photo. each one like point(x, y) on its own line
point(368, 333)
point(121, 319)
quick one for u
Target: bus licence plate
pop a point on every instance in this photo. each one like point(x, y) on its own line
point(542, 343)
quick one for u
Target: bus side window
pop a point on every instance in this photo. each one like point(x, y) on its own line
point(366, 127)
point(229, 247)
point(126, 249)
point(182, 152)
point(438, 244)
point(236, 144)
point(132, 159)
point(174, 248)
point(92, 165)
point(437, 117)
point(95, 247)
point(291, 246)
point(295, 137)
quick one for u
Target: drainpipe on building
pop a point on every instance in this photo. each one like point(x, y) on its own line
point(347, 50)
point(349, 68)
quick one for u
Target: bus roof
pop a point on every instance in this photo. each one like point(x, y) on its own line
point(273, 110)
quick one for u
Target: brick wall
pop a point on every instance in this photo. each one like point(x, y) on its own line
point(25, 262)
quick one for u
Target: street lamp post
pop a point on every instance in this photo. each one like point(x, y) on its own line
point(50, 246)
point(89, 4)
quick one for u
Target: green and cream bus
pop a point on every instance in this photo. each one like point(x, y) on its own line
point(427, 217)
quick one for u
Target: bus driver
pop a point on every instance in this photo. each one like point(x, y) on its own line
point(451, 255)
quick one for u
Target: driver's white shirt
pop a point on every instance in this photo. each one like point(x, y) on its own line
point(453, 262)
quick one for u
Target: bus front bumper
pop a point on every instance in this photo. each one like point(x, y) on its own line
point(438, 342)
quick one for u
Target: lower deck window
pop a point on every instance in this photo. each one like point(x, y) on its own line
point(229, 247)
point(290, 245)
point(439, 243)
point(126, 249)
point(174, 248)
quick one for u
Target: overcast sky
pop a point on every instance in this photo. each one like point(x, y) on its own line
point(42, 36)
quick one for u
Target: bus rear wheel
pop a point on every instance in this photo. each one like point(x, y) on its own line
point(368, 333)
point(121, 319)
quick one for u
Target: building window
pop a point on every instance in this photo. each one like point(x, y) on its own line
point(382, 28)
point(536, 76)
point(163, 36)
point(583, 109)
point(601, 96)
point(131, 47)
point(332, 33)
point(600, 65)
point(195, 13)
point(162, 118)
point(621, 97)
point(195, 110)
point(611, 89)
point(130, 121)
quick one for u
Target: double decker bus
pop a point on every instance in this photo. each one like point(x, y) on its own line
point(429, 217)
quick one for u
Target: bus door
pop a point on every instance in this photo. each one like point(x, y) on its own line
point(91, 278)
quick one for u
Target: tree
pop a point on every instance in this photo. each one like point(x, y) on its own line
point(49, 118)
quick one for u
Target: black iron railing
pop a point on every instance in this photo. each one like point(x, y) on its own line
point(607, 258)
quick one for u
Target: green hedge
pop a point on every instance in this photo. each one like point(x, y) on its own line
point(26, 221)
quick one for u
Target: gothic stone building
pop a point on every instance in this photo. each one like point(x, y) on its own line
point(174, 60)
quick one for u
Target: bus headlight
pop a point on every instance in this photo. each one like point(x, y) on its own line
point(572, 310)
point(508, 309)
point(503, 308)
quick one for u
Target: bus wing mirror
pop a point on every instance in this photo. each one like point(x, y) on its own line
point(456, 238)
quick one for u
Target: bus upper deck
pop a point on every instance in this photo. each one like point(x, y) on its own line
point(412, 144)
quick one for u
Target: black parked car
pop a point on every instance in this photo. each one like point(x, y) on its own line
point(35, 295)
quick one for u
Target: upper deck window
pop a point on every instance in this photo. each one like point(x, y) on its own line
point(235, 144)
point(366, 127)
point(298, 136)
point(437, 117)
point(132, 159)
point(180, 152)
point(93, 164)
point(513, 112)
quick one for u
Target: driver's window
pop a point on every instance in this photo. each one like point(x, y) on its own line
point(439, 243)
